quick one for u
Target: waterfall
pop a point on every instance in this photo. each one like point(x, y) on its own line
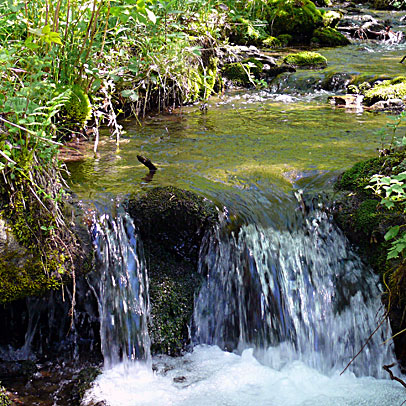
point(122, 290)
point(299, 294)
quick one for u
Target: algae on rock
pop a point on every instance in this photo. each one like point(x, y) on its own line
point(306, 59)
point(297, 18)
point(172, 223)
point(365, 222)
point(328, 37)
point(388, 89)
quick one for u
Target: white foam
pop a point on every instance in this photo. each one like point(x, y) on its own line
point(211, 377)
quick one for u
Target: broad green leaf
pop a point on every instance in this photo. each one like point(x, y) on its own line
point(46, 29)
point(392, 233)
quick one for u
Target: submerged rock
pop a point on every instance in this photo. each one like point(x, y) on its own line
point(348, 101)
point(172, 223)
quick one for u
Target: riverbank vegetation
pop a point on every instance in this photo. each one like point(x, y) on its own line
point(370, 208)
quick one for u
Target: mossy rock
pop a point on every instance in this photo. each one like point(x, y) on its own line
point(298, 18)
point(202, 83)
point(388, 5)
point(271, 42)
point(366, 216)
point(82, 383)
point(323, 3)
point(77, 109)
point(306, 59)
point(173, 282)
point(331, 18)
point(241, 73)
point(244, 32)
point(357, 178)
point(175, 218)
point(358, 210)
point(172, 223)
point(388, 89)
point(365, 222)
point(329, 37)
point(21, 271)
point(285, 39)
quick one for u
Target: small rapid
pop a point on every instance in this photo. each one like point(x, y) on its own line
point(303, 290)
point(280, 315)
point(121, 288)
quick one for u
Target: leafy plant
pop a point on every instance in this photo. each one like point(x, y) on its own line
point(392, 189)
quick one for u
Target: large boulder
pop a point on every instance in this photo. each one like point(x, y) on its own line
point(328, 37)
point(172, 223)
point(298, 18)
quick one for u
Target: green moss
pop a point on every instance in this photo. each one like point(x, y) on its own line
point(244, 32)
point(28, 279)
point(172, 287)
point(242, 73)
point(237, 73)
point(271, 42)
point(172, 223)
point(328, 37)
point(331, 18)
point(357, 177)
point(84, 382)
point(203, 82)
point(388, 89)
point(366, 216)
point(285, 39)
point(323, 3)
point(306, 59)
point(298, 18)
point(33, 265)
point(77, 110)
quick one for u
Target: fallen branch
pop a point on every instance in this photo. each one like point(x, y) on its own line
point(366, 342)
point(387, 368)
point(147, 162)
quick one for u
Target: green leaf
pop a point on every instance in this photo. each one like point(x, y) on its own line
point(55, 37)
point(46, 29)
point(392, 233)
point(151, 16)
point(131, 94)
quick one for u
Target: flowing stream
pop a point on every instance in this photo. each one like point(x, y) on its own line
point(286, 303)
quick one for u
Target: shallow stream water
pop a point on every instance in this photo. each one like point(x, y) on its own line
point(249, 152)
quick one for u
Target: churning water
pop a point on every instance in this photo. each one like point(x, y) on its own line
point(292, 307)
point(121, 290)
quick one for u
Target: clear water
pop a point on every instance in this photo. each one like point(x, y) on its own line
point(249, 152)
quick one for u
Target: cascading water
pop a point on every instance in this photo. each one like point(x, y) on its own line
point(122, 290)
point(302, 291)
point(295, 305)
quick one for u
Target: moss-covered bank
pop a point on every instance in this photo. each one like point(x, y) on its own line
point(365, 222)
point(172, 223)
